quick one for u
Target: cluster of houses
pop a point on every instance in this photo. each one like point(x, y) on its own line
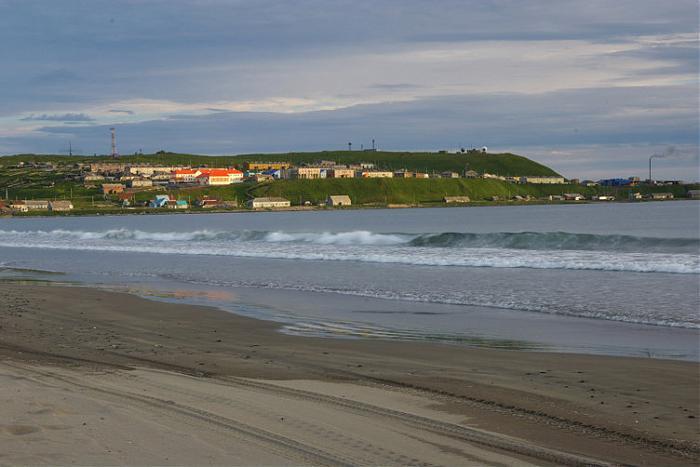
point(25, 205)
point(164, 201)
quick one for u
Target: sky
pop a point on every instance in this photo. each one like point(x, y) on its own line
point(591, 88)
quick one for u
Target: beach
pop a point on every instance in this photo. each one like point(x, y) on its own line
point(147, 382)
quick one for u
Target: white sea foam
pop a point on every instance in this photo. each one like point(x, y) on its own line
point(465, 250)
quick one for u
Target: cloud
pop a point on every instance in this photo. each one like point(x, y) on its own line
point(223, 76)
point(68, 117)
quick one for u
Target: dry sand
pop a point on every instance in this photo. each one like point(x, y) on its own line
point(93, 377)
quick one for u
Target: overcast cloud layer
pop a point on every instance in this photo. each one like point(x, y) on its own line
point(591, 88)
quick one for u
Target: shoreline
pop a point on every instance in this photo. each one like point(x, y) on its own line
point(619, 409)
point(479, 204)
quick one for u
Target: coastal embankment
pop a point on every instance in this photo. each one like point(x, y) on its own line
point(100, 377)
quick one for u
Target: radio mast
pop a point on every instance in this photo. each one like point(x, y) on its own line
point(115, 154)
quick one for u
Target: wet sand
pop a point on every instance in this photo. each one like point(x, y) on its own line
point(95, 377)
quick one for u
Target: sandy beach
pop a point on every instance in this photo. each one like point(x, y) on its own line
point(95, 377)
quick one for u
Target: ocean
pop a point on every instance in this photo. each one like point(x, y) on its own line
point(617, 279)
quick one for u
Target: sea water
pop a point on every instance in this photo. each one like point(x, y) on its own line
point(619, 278)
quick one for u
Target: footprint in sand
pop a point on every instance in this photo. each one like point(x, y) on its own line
point(19, 430)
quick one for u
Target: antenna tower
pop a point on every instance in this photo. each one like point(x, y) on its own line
point(115, 154)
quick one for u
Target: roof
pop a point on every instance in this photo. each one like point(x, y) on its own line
point(270, 199)
point(219, 172)
point(339, 197)
point(185, 172)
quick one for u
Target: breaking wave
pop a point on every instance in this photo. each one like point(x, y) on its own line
point(539, 250)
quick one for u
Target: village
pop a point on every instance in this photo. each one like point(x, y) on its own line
point(124, 185)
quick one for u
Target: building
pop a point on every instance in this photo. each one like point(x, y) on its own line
point(36, 204)
point(694, 194)
point(306, 173)
point(217, 177)
point(251, 166)
point(159, 201)
point(658, 196)
point(421, 175)
point(404, 174)
point(184, 175)
point(471, 174)
point(107, 167)
point(456, 199)
point(615, 182)
point(449, 174)
point(19, 206)
point(274, 173)
point(338, 200)
point(268, 203)
point(258, 178)
point(635, 196)
point(92, 178)
point(148, 170)
point(177, 204)
point(60, 205)
point(603, 198)
point(543, 180)
point(340, 173)
point(207, 203)
point(111, 188)
point(139, 183)
point(376, 174)
point(573, 196)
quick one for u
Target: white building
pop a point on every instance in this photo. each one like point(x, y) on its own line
point(268, 203)
point(543, 180)
point(338, 200)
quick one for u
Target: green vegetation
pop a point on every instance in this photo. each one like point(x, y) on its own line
point(426, 191)
point(500, 164)
point(63, 181)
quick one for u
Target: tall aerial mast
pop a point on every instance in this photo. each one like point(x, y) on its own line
point(115, 154)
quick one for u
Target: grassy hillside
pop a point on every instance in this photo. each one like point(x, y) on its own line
point(501, 164)
point(419, 191)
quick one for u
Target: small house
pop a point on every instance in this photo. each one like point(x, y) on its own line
point(19, 206)
point(139, 183)
point(159, 201)
point(456, 199)
point(338, 200)
point(573, 196)
point(340, 172)
point(660, 196)
point(36, 204)
point(177, 204)
point(694, 194)
point(268, 203)
point(449, 174)
point(207, 203)
point(112, 188)
point(60, 205)
point(635, 196)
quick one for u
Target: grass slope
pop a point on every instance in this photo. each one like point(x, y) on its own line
point(500, 164)
point(426, 191)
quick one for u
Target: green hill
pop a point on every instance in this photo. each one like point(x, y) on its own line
point(500, 164)
point(382, 191)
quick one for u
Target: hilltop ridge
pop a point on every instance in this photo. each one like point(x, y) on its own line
point(505, 164)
